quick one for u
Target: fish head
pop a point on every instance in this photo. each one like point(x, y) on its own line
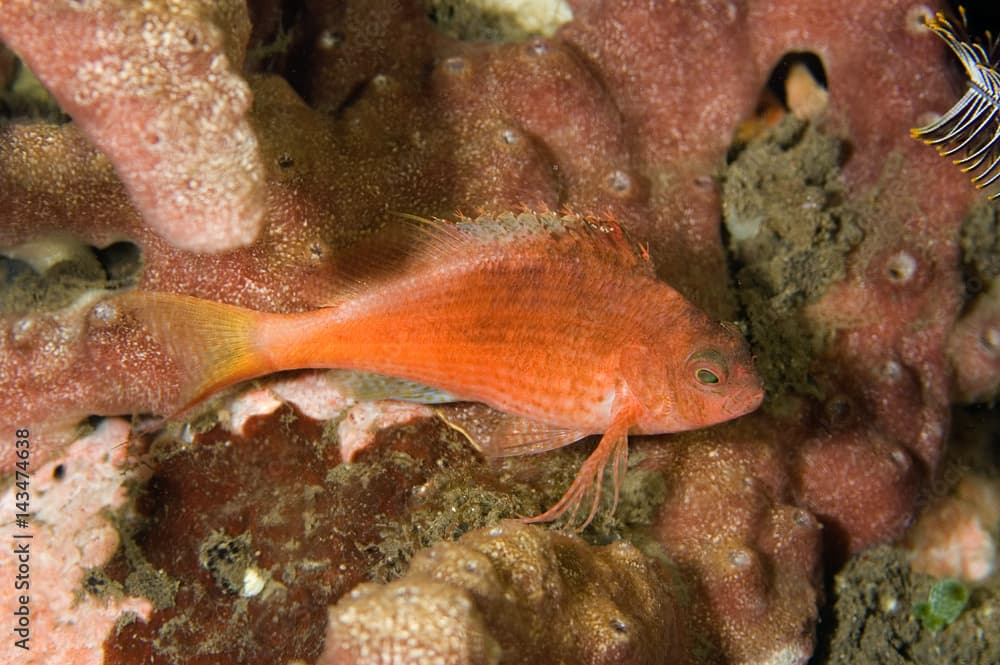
point(704, 378)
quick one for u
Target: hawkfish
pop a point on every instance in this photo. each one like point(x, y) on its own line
point(546, 327)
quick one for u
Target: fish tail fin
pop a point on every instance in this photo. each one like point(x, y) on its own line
point(212, 343)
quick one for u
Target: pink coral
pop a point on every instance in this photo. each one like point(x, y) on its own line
point(156, 88)
point(317, 396)
point(71, 535)
point(730, 523)
point(955, 536)
point(629, 109)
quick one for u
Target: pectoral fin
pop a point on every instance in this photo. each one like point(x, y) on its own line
point(499, 434)
point(613, 448)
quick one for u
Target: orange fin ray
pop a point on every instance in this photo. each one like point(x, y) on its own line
point(395, 251)
point(613, 447)
point(212, 343)
point(566, 234)
point(589, 481)
point(499, 434)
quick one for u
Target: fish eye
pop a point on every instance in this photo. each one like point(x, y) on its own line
point(706, 376)
point(708, 367)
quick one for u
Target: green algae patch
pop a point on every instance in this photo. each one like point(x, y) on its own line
point(945, 602)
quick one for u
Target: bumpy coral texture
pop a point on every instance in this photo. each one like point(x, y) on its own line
point(67, 539)
point(501, 590)
point(629, 109)
point(156, 87)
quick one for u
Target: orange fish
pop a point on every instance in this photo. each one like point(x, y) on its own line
point(554, 324)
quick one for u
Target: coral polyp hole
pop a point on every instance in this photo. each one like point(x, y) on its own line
point(973, 286)
point(838, 409)
point(705, 183)
point(916, 19)
point(104, 312)
point(900, 268)
point(509, 136)
point(318, 250)
point(802, 518)
point(740, 558)
point(285, 161)
point(454, 65)
point(990, 340)
point(538, 47)
point(900, 459)
point(619, 182)
point(892, 371)
point(59, 472)
point(20, 330)
point(381, 83)
point(329, 39)
point(927, 118)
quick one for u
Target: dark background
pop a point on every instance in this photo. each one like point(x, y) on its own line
point(983, 15)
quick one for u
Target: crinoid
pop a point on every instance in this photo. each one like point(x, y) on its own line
point(969, 132)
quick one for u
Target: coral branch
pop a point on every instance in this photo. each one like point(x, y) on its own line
point(155, 87)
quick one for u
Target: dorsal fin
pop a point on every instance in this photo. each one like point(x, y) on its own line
point(420, 242)
point(560, 234)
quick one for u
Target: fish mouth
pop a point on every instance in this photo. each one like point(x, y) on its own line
point(755, 397)
point(745, 401)
point(749, 394)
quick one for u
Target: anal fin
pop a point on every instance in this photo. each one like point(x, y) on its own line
point(369, 386)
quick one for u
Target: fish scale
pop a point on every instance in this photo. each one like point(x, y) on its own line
point(478, 352)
